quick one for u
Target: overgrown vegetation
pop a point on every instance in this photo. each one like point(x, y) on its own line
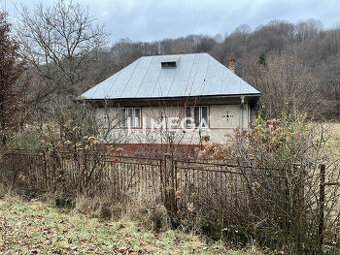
point(36, 228)
point(280, 161)
point(272, 197)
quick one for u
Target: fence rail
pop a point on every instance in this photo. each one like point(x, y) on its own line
point(223, 188)
point(187, 180)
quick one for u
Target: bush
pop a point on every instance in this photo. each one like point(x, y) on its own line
point(280, 164)
point(146, 210)
point(29, 139)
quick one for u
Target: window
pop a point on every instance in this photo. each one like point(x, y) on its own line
point(188, 116)
point(197, 116)
point(131, 117)
point(137, 119)
point(204, 116)
point(169, 64)
point(200, 116)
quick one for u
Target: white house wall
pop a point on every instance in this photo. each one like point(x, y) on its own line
point(222, 120)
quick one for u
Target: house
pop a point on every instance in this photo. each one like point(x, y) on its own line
point(174, 99)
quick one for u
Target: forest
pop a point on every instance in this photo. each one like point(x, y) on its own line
point(58, 53)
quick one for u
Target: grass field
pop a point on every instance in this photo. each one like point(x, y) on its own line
point(334, 132)
point(36, 228)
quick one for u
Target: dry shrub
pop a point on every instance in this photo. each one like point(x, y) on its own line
point(102, 204)
point(210, 203)
point(98, 206)
point(279, 162)
point(148, 210)
point(145, 209)
point(4, 190)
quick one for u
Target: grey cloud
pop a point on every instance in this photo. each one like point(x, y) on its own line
point(148, 20)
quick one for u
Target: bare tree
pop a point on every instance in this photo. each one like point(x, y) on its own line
point(126, 51)
point(273, 36)
point(307, 30)
point(60, 43)
point(286, 84)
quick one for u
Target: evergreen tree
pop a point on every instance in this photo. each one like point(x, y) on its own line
point(11, 67)
point(263, 59)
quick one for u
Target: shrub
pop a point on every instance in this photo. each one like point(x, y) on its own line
point(280, 164)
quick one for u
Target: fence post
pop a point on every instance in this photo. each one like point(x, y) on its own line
point(321, 206)
point(162, 166)
point(45, 169)
point(169, 185)
point(85, 171)
point(54, 170)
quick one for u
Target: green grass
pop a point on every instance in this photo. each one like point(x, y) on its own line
point(36, 228)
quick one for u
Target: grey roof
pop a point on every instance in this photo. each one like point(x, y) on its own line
point(195, 75)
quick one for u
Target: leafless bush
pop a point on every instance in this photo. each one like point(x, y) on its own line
point(103, 206)
point(280, 164)
point(147, 210)
point(211, 202)
point(286, 84)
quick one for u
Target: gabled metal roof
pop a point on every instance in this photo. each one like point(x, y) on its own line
point(195, 75)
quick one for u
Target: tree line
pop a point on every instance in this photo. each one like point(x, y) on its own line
point(53, 54)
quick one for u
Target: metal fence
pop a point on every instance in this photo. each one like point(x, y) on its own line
point(177, 181)
point(218, 187)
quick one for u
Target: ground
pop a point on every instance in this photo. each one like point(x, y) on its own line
point(37, 228)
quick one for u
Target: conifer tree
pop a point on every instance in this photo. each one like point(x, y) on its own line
point(11, 67)
point(263, 59)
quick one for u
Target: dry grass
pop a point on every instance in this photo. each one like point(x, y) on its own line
point(334, 137)
point(36, 228)
point(147, 211)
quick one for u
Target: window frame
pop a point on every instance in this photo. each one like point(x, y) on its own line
point(139, 118)
point(135, 122)
point(200, 115)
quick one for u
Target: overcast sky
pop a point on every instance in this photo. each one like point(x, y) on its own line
point(148, 20)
